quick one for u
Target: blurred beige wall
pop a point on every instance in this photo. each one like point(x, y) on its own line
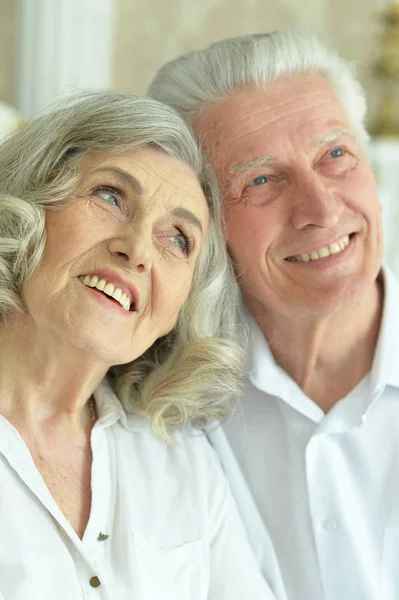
point(150, 32)
point(7, 50)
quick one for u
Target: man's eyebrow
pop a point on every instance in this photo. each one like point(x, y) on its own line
point(186, 214)
point(266, 159)
point(127, 177)
point(331, 136)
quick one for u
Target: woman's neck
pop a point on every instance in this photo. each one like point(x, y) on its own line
point(42, 378)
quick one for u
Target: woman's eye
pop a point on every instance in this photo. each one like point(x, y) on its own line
point(336, 153)
point(182, 242)
point(108, 194)
point(259, 180)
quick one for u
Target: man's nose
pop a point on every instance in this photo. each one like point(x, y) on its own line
point(315, 203)
point(133, 248)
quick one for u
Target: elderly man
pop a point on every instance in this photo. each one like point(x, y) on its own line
point(312, 451)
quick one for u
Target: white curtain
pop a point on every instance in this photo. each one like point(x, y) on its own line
point(385, 161)
point(63, 46)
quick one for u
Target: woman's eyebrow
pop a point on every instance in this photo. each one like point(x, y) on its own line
point(186, 214)
point(179, 211)
point(127, 177)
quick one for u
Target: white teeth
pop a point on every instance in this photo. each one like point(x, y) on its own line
point(93, 281)
point(108, 288)
point(323, 252)
point(117, 295)
point(334, 248)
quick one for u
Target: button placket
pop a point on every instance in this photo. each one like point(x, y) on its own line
point(331, 525)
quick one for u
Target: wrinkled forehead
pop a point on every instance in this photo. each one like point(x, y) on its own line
point(146, 169)
point(253, 120)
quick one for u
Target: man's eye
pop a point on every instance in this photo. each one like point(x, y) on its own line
point(336, 153)
point(109, 194)
point(259, 180)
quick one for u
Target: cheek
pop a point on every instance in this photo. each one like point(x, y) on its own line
point(170, 299)
point(39, 292)
point(362, 188)
point(72, 235)
point(72, 230)
point(363, 196)
point(248, 235)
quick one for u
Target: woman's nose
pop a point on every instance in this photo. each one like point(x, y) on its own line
point(134, 249)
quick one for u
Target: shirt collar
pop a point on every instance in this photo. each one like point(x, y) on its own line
point(110, 410)
point(268, 376)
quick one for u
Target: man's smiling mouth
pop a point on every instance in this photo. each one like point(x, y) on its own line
point(323, 252)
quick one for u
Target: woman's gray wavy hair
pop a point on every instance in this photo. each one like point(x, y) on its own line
point(188, 376)
point(193, 81)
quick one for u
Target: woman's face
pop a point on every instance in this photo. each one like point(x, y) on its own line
point(120, 255)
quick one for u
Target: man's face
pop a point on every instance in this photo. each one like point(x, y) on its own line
point(300, 201)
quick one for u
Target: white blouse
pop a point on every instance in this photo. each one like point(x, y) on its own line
point(163, 525)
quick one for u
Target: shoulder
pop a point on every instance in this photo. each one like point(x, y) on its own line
point(189, 453)
point(183, 480)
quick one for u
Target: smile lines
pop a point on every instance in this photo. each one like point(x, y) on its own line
point(107, 288)
point(334, 248)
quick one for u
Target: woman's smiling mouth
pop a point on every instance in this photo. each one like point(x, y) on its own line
point(109, 289)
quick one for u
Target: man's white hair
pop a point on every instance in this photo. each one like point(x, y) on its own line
point(193, 81)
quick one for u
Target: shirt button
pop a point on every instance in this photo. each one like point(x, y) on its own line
point(331, 525)
point(95, 582)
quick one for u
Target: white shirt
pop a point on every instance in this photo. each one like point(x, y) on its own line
point(162, 525)
point(320, 493)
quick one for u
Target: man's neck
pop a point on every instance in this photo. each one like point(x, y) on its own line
point(327, 357)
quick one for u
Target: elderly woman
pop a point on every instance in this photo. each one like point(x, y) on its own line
point(118, 308)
